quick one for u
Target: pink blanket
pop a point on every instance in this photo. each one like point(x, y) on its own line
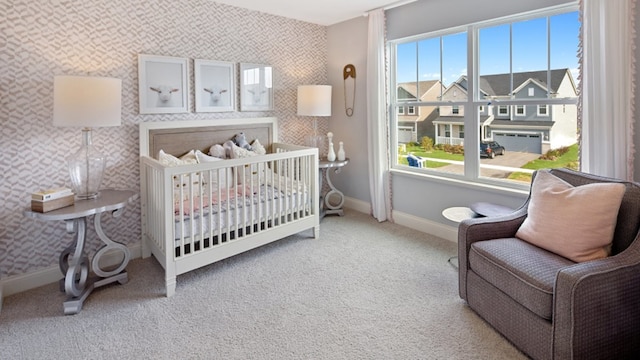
point(189, 205)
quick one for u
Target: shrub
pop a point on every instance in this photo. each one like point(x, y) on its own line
point(555, 153)
point(427, 143)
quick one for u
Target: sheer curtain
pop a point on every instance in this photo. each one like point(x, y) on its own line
point(606, 114)
point(377, 125)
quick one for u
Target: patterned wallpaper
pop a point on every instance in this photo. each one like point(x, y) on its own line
point(41, 39)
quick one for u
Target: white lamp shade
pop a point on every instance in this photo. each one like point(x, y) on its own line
point(314, 100)
point(85, 101)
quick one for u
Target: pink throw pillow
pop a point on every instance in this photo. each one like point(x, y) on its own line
point(574, 222)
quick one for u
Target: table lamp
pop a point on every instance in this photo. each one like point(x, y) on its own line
point(315, 100)
point(87, 102)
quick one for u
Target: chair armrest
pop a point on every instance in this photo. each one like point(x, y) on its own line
point(479, 229)
point(596, 312)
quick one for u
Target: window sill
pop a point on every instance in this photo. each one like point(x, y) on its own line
point(480, 185)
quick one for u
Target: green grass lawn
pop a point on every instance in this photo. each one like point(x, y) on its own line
point(568, 160)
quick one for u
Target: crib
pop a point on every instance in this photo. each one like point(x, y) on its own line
point(196, 214)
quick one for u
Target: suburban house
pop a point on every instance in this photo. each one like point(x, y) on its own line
point(529, 127)
point(414, 122)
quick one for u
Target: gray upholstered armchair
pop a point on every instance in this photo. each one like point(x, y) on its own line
point(547, 305)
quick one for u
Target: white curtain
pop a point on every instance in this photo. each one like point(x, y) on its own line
point(377, 125)
point(606, 113)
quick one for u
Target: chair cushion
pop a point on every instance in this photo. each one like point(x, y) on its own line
point(521, 270)
point(575, 222)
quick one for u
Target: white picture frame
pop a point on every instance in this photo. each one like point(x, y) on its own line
point(163, 86)
point(215, 85)
point(256, 87)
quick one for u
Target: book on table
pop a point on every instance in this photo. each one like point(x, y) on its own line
point(49, 205)
point(50, 194)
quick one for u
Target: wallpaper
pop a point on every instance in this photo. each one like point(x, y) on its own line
point(41, 39)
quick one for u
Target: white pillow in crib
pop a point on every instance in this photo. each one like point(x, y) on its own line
point(240, 153)
point(218, 151)
point(204, 158)
point(170, 160)
point(258, 148)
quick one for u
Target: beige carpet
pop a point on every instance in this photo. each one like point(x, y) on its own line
point(364, 290)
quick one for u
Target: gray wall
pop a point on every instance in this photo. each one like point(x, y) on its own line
point(418, 196)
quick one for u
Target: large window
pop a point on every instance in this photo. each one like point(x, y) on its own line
point(518, 87)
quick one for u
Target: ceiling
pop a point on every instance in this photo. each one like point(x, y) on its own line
point(323, 12)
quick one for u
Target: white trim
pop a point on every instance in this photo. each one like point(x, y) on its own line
point(446, 232)
point(357, 205)
point(23, 282)
point(442, 231)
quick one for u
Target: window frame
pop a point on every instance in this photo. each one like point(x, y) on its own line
point(474, 104)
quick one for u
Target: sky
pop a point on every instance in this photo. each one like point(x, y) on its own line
point(529, 52)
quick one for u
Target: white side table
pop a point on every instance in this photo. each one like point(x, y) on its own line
point(326, 206)
point(76, 282)
point(480, 209)
point(457, 214)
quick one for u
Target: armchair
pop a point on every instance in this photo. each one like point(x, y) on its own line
point(549, 306)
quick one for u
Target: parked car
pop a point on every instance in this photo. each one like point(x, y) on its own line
point(490, 149)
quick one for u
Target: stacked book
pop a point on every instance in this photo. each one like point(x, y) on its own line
point(51, 199)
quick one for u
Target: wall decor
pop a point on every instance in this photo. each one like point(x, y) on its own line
point(163, 86)
point(256, 87)
point(215, 85)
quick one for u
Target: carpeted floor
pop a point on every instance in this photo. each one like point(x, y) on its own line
point(364, 290)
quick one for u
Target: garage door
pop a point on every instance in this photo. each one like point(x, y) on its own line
point(404, 135)
point(531, 143)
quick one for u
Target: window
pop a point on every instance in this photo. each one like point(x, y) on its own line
point(543, 110)
point(401, 110)
point(411, 110)
point(523, 68)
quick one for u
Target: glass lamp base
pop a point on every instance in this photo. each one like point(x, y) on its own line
point(317, 141)
point(86, 167)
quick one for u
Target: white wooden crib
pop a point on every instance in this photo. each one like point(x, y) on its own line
point(194, 215)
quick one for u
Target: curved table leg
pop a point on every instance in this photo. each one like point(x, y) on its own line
point(333, 208)
point(110, 246)
point(76, 270)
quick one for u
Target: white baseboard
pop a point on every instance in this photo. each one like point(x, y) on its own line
point(357, 205)
point(23, 282)
point(426, 226)
point(414, 222)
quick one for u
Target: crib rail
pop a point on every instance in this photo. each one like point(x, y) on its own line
point(191, 209)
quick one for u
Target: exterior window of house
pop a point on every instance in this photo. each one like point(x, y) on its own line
point(411, 110)
point(515, 62)
point(543, 110)
point(400, 110)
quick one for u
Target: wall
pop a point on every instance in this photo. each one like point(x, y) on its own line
point(420, 199)
point(40, 39)
point(348, 45)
